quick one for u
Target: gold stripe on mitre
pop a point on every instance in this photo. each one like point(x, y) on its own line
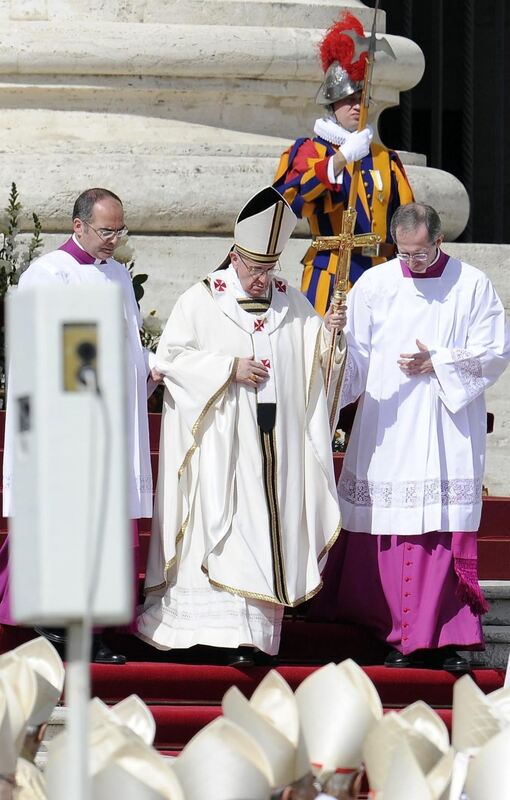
point(274, 233)
point(260, 258)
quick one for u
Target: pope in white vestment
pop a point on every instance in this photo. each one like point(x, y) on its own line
point(410, 490)
point(246, 505)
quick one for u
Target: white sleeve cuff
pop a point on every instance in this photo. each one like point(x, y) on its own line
point(332, 178)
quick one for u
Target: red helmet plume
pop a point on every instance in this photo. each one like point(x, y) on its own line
point(336, 46)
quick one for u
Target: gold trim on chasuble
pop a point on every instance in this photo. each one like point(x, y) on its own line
point(264, 597)
point(281, 597)
point(268, 442)
point(268, 448)
point(254, 306)
point(187, 458)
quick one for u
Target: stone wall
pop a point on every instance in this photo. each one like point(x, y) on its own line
point(181, 108)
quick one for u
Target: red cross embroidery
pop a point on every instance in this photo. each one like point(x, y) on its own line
point(258, 324)
point(281, 286)
point(266, 362)
point(220, 285)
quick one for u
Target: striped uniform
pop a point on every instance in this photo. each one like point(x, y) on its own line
point(302, 179)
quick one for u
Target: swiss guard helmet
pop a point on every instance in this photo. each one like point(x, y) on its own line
point(343, 77)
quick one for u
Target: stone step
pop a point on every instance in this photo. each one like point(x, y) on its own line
point(497, 648)
point(56, 726)
point(496, 627)
point(264, 13)
point(498, 596)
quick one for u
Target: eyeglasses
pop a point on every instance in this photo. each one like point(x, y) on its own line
point(260, 272)
point(107, 235)
point(413, 257)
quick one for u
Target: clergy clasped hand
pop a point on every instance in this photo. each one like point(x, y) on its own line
point(416, 363)
point(336, 319)
point(157, 376)
point(250, 372)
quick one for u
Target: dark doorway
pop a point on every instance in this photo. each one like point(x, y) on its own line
point(458, 113)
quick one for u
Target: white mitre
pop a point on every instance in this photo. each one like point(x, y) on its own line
point(271, 718)
point(131, 712)
point(120, 762)
point(489, 771)
point(119, 759)
point(476, 718)
point(49, 672)
point(500, 703)
point(422, 728)
point(406, 780)
point(223, 762)
point(18, 692)
point(263, 226)
point(338, 705)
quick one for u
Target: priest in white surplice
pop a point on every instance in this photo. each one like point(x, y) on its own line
point(85, 258)
point(426, 335)
point(246, 506)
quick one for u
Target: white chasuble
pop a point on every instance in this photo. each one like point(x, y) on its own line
point(211, 563)
point(60, 267)
point(415, 460)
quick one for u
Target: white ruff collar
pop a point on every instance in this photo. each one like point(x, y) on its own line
point(331, 131)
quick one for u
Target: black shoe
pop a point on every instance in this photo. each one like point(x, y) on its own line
point(240, 657)
point(264, 659)
point(401, 660)
point(54, 635)
point(102, 654)
point(446, 658)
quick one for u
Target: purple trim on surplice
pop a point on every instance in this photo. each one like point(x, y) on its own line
point(434, 271)
point(78, 253)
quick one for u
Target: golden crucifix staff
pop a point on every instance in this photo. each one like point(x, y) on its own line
point(347, 240)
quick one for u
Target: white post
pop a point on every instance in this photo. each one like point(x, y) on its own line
point(79, 642)
point(67, 407)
